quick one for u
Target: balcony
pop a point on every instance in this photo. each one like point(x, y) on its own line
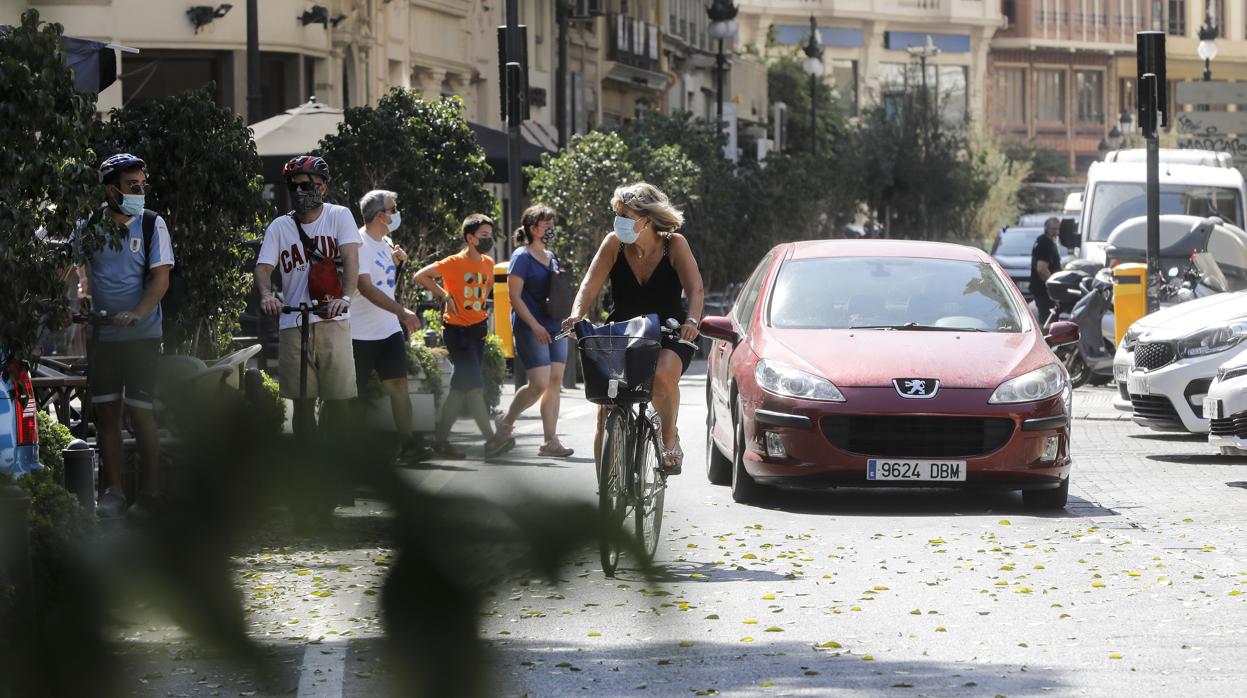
point(633, 42)
point(970, 12)
point(1066, 21)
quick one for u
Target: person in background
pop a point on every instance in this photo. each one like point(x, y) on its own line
point(1045, 261)
point(544, 358)
point(379, 323)
point(466, 279)
point(126, 282)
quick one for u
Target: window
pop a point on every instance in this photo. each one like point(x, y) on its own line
point(844, 75)
point(1089, 96)
point(953, 97)
point(881, 293)
point(1177, 17)
point(1050, 96)
point(1010, 95)
point(743, 311)
point(1113, 203)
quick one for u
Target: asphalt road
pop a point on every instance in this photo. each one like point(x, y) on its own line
point(1137, 588)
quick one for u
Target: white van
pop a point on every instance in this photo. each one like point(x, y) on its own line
point(1192, 182)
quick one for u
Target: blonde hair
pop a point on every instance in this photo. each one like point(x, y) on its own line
point(646, 200)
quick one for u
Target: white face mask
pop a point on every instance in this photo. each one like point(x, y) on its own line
point(625, 231)
point(395, 219)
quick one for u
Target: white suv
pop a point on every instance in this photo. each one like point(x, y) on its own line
point(1226, 407)
point(1167, 360)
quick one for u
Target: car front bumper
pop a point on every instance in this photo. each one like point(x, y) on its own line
point(1174, 394)
point(811, 458)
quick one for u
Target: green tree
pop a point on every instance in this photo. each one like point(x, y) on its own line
point(205, 179)
point(47, 177)
point(578, 183)
point(787, 82)
point(1005, 177)
point(424, 151)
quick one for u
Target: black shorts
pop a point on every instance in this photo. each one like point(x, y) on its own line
point(388, 357)
point(123, 371)
point(682, 350)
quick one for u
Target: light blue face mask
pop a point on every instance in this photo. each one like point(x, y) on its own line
point(624, 230)
point(132, 204)
point(395, 219)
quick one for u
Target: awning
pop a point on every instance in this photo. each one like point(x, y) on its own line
point(94, 62)
point(295, 131)
point(494, 143)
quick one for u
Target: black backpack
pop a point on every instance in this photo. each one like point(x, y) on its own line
point(175, 296)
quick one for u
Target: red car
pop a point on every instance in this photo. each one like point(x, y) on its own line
point(886, 363)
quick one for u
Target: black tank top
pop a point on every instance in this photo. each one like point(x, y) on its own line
point(660, 295)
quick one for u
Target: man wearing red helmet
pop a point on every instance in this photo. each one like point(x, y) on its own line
point(315, 248)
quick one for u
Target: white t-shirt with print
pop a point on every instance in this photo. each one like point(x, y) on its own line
point(376, 259)
point(282, 248)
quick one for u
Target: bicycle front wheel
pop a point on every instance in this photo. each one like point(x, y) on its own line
point(649, 489)
point(612, 488)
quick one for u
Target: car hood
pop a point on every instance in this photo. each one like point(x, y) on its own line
point(1184, 318)
point(872, 358)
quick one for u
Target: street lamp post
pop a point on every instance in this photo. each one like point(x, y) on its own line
point(922, 53)
point(814, 67)
point(1207, 48)
point(722, 15)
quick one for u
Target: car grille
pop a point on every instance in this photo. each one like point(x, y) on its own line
point(1150, 356)
point(911, 436)
point(1234, 425)
point(1154, 407)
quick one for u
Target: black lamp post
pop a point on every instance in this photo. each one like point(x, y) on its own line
point(1207, 48)
point(722, 15)
point(814, 68)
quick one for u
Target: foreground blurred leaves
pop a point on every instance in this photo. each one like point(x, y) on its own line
point(224, 481)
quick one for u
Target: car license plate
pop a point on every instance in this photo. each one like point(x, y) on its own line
point(1121, 372)
point(1137, 384)
point(1212, 408)
point(916, 470)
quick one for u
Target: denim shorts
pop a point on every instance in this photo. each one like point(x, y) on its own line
point(466, 346)
point(532, 352)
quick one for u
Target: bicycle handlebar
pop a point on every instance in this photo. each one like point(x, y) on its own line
point(668, 331)
point(313, 309)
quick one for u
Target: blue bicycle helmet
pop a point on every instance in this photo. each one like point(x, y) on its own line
point(120, 163)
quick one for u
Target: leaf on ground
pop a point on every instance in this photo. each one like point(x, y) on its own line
point(1115, 655)
point(746, 639)
point(830, 645)
point(868, 658)
point(1004, 522)
point(686, 643)
point(595, 634)
point(712, 616)
point(902, 685)
point(941, 629)
point(768, 597)
point(774, 629)
point(750, 621)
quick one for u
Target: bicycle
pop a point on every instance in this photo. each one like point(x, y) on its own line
point(630, 479)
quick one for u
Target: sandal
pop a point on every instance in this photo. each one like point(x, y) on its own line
point(554, 448)
point(443, 449)
point(673, 459)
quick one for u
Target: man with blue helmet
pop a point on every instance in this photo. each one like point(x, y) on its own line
point(123, 279)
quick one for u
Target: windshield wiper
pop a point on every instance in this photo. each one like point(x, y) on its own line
point(917, 327)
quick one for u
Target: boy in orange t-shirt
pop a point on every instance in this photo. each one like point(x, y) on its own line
point(466, 279)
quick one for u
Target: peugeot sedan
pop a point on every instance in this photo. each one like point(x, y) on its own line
point(886, 363)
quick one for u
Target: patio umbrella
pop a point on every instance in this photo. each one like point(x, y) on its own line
point(295, 131)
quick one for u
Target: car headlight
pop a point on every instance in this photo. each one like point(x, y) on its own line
point(1211, 341)
point(790, 382)
point(1040, 384)
point(1130, 339)
point(1225, 374)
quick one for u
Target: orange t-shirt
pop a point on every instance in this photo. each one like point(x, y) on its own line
point(469, 282)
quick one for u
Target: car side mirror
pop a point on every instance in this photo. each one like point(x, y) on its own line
point(719, 327)
point(1062, 333)
point(1069, 233)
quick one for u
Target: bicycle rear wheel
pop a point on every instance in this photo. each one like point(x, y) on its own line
point(613, 487)
point(649, 488)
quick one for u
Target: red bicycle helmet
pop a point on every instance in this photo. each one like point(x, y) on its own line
point(306, 164)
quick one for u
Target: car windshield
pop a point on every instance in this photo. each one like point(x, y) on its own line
point(892, 293)
point(1017, 242)
point(1113, 203)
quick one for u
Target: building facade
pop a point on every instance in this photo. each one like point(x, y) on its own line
point(1063, 72)
point(866, 46)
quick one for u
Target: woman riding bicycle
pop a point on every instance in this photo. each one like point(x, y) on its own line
point(650, 266)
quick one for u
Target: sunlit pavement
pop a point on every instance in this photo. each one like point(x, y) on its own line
point(1135, 589)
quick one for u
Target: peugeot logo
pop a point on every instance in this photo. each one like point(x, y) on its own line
point(916, 388)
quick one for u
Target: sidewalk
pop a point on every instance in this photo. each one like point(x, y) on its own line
point(1097, 404)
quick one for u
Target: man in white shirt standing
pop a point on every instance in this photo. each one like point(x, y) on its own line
point(377, 319)
point(303, 246)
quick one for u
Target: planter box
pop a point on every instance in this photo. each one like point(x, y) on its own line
point(380, 414)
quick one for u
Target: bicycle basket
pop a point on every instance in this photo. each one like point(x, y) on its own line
point(619, 360)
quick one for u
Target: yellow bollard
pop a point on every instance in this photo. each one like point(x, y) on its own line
point(1129, 296)
point(502, 309)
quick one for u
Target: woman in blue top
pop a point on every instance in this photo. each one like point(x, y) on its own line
point(544, 358)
